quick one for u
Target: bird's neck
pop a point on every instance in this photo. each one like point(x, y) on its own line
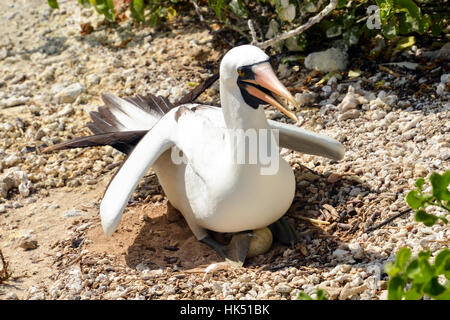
point(236, 112)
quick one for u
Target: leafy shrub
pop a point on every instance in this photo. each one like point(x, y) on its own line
point(439, 197)
point(405, 16)
point(411, 279)
point(351, 21)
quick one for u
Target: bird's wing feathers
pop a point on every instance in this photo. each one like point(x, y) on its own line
point(120, 123)
point(180, 127)
point(123, 141)
point(308, 142)
point(155, 142)
point(129, 114)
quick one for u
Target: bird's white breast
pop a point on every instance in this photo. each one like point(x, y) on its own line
point(231, 199)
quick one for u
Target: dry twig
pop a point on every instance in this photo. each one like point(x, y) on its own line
point(197, 10)
point(4, 274)
point(252, 32)
point(389, 220)
point(292, 33)
point(310, 219)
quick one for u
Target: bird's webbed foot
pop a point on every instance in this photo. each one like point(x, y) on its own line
point(284, 232)
point(235, 252)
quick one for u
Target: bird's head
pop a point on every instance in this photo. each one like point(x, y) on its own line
point(248, 68)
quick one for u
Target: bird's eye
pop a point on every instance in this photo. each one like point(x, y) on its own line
point(241, 73)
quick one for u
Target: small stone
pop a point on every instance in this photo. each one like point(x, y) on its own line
point(412, 124)
point(28, 245)
point(334, 177)
point(11, 296)
point(420, 171)
point(305, 98)
point(24, 190)
point(327, 61)
point(378, 115)
point(354, 192)
point(349, 102)
point(356, 250)
point(84, 226)
point(351, 114)
point(92, 79)
point(2, 208)
point(13, 102)
point(72, 213)
point(348, 291)
point(11, 160)
point(331, 292)
point(340, 254)
point(410, 134)
point(66, 111)
point(74, 282)
point(70, 94)
point(283, 288)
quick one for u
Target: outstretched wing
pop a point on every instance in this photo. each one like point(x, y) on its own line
point(154, 143)
point(308, 142)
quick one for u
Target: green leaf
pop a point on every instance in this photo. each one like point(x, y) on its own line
point(437, 25)
point(303, 296)
point(171, 13)
point(440, 185)
point(321, 295)
point(426, 270)
point(137, 10)
point(413, 269)
point(395, 288)
point(424, 23)
point(406, 23)
point(415, 292)
point(105, 7)
point(414, 200)
point(53, 4)
point(444, 219)
point(341, 3)
point(445, 295)
point(391, 269)
point(406, 43)
point(217, 6)
point(390, 29)
point(238, 8)
point(411, 7)
point(433, 287)
point(442, 262)
point(420, 182)
point(424, 254)
point(402, 257)
point(354, 74)
point(426, 218)
point(386, 12)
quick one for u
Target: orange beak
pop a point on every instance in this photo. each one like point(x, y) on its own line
point(266, 78)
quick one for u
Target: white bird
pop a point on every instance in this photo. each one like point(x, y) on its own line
point(210, 188)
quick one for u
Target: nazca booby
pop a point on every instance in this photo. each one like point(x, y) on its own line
point(212, 194)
